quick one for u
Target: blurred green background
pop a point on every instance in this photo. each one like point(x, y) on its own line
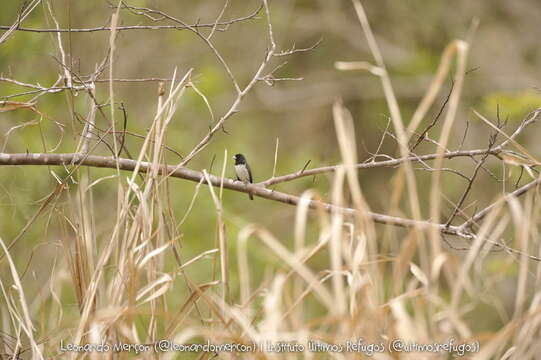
point(504, 60)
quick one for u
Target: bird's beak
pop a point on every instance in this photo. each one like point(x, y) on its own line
point(233, 157)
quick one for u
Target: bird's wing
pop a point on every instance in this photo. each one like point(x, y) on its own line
point(249, 173)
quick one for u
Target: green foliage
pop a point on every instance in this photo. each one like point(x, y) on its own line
point(512, 105)
point(421, 61)
point(299, 114)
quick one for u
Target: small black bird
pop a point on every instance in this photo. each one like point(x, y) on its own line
point(243, 172)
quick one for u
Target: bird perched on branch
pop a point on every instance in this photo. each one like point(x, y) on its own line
point(243, 172)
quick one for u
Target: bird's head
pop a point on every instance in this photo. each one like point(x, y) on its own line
point(239, 159)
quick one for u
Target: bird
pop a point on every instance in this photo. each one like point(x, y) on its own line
point(243, 172)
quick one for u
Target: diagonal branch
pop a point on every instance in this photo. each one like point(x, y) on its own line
point(518, 192)
point(67, 159)
point(376, 164)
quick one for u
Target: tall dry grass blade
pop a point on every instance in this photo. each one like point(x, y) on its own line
point(112, 49)
point(392, 103)
point(67, 66)
point(335, 245)
point(272, 327)
point(192, 203)
point(487, 229)
point(177, 319)
point(397, 121)
point(167, 109)
point(522, 223)
point(290, 259)
point(301, 222)
point(508, 138)
point(222, 176)
point(25, 318)
point(275, 157)
point(434, 88)
point(345, 131)
point(404, 324)
point(243, 265)
point(450, 117)
point(224, 253)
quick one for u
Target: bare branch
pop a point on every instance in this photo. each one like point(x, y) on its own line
point(294, 50)
point(22, 16)
point(518, 192)
point(469, 186)
point(385, 163)
point(69, 159)
point(141, 27)
point(530, 119)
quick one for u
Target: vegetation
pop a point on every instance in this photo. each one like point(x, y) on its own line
point(396, 207)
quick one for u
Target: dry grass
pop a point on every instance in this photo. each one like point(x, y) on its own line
point(336, 283)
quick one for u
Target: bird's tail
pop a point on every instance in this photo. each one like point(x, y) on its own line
point(251, 196)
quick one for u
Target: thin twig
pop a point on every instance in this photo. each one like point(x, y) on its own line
point(518, 192)
point(469, 186)
point(139, 27)
point(433, 123)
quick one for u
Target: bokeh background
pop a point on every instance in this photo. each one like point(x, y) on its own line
point(504, 63)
